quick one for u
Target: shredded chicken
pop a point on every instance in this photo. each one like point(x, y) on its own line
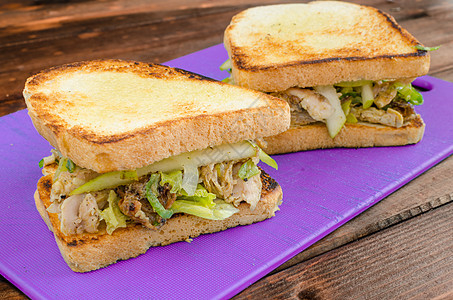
point(218, 179)
point(317, 106)
point(222, 179)
point(134, 204)
point(248, 191)
point(67, 182)
point(383, 94)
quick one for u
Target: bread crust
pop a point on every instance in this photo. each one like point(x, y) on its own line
point(106, 135)
point(316, 136)
point(379, 47)
point(87, 252)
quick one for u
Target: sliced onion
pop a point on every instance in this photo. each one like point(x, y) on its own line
point(336, 121)
point(367, 95)
point(210, 155)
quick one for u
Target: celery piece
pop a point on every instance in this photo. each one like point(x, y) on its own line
point(346, 106)
point(70, 165)
point(227, 80)
point(264, 157)
point(150, 193)
point(61, 168)
point(106, 181)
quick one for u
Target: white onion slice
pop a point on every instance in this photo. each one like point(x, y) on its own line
point(335, 121)
point(210, 155)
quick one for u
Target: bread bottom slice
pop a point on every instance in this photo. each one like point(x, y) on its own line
point(87, 252)
point(316, 136)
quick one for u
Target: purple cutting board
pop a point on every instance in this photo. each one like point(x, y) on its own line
point(323, 189)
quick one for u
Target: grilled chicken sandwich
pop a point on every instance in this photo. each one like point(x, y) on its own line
point(147, 155)
point(344, 69)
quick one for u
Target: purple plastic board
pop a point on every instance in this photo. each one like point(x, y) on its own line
point(323, 189)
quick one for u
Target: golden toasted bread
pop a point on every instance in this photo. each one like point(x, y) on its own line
point(316, 136)
point(87, 252)
point(116, 115)
point(276, 47)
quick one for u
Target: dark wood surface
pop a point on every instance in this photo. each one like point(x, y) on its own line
point(401, 248)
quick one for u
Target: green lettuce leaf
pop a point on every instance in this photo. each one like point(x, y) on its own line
point(151, 194)
point(219, 211)
point(174, 179)
point(201, 196)
point(423, 48)
point(112, 215)
point(248, 169)
point(409, 93)
point(204, 205)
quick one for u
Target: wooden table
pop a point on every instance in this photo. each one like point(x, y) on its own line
point(400, 248)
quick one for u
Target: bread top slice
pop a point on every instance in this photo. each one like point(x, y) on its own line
point(112, 115)
point(276, 47)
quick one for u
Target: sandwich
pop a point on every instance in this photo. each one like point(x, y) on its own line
point(147, 155)
point(344, 69)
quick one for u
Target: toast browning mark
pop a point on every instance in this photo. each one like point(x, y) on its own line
point(241, 59)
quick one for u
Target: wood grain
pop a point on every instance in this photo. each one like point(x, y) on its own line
point(34, 37)
point(401, 262)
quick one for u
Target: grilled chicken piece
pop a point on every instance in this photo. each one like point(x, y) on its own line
point(222, 179)
point(315, 104)
point(390, 117)
point(218, 179)
point(383, 93)
point(79, 213)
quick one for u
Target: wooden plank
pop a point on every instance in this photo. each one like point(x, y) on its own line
point(409, 260)
point(154, 32)
point(10, 292)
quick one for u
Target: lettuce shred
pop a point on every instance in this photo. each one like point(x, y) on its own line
point(112, 215)
point(203, 204)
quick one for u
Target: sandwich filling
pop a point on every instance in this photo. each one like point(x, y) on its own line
point(384, 102)
point(208, 183)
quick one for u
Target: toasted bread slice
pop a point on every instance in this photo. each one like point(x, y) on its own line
point(276, 47)
point(117, 115)
point(316, 136)
point(87, 252)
